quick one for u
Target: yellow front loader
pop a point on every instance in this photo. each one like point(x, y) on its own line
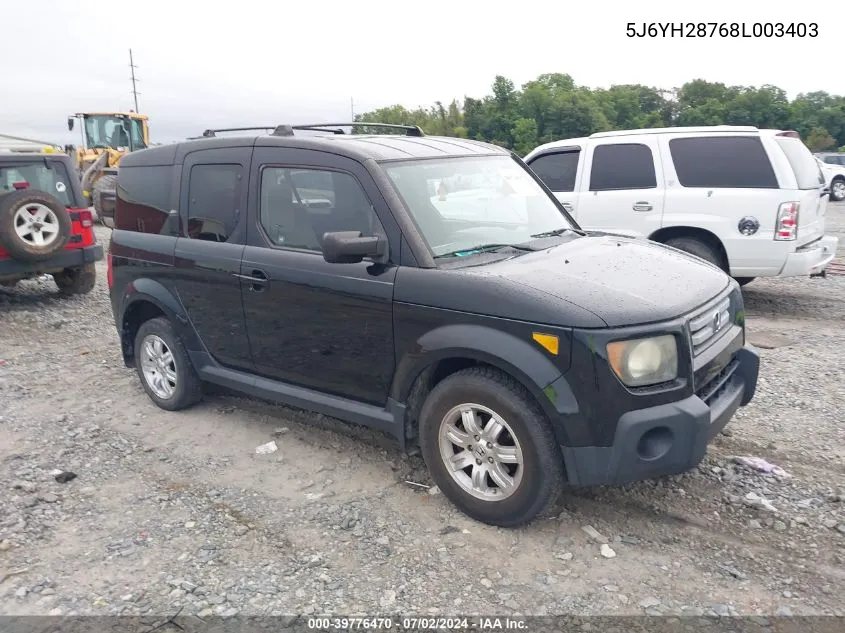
point(106, 138)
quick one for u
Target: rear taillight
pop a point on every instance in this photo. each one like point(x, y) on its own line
point(86, 219)
point(20, 185)
point(786, 227)
point(109, 273)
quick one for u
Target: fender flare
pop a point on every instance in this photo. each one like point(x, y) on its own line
point(154, 292)
point(512, 355)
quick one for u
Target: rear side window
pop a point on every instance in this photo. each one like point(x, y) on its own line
point(144, 199)
point(214, 197)
point(622, 166)
point(807, 171)
point(557, 170)
point(728, 162)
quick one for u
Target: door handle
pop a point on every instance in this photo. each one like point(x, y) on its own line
point(567, 206)
point(642, 206)
point(258, 280)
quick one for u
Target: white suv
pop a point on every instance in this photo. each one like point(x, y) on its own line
point(750, 201)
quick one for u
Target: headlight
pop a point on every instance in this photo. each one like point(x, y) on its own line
point(644, 361)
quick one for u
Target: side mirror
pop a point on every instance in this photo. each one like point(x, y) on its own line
point(70, 122)
point(350, 247)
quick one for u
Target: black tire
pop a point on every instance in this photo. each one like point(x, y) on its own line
point(542, 469)
point(26, 250)
point(837, 194)
point(742, 281)
point(700, 249)
point(76, 281)
point(106, 183)
point(188, 388)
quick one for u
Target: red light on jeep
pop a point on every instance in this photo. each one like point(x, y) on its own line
point(20, 185)
point(86, 219)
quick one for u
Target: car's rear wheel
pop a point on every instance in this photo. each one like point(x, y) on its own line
point(837, 189)
point(33, 225)
point(699, 248)
point(490, 448)
point(166, 371)
point(76, 281)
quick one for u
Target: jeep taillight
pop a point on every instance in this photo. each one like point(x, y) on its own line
point(86, 219)
point(109, 273)
point(786, 227)
point(20, 185)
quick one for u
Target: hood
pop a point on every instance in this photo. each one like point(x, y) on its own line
point(622, 280)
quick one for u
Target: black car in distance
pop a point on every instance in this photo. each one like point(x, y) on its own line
point(432, 288)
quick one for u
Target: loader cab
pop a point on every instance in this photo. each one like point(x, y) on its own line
point(112, 130)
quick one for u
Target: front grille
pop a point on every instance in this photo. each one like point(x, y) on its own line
point(710, 323)
point(713, 388)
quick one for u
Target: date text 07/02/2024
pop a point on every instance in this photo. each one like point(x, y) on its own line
point(722, 29)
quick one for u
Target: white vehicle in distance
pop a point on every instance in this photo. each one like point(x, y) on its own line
point(750, 201)
point(834, 174)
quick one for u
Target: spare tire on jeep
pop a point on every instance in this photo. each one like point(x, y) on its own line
point(33, 225)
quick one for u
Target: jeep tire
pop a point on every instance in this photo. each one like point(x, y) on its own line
point(165, 369)
point(490, 448)
point(34, 225)
point(76, 281)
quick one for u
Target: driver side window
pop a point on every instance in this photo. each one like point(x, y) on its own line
point(298, 206)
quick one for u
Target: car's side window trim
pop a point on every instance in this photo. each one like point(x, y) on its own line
point(265, 238)
point(573, 149)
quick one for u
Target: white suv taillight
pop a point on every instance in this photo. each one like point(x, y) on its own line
point(786, 227)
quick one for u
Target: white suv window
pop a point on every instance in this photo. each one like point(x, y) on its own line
point(807, 171)
point(722, 162)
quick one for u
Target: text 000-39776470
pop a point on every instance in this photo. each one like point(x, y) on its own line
point(722, 29)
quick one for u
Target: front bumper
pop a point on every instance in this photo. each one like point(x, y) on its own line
point(68, 258)
point(669, 438)
point(810, 259)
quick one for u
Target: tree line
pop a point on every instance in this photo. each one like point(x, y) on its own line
point(553, 107)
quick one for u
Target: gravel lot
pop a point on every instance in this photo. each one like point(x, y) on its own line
point(175, 510)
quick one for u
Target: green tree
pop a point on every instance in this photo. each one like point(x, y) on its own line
point(819, 139)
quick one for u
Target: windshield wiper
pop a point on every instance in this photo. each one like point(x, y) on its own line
point(483, 248)
point(556, 232)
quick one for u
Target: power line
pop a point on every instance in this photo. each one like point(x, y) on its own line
point(132, 68)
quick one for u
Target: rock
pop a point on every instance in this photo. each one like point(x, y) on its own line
point(64, 476)
point(606, 551)
point(241, 529)
point(594, 534)
point(48, 591)
point(21, 592)
point(841, 528)
point(388, 598)
point(783, 612)
point(434, 490)
point(754, 524)
point(190, 524)
point(25, 486)
point(5, 545)
point(215, 599)
point(280, 431)
point(564, 556)
point(648, 603)
point(486, 582)
point(787, 594)
point(48, 497)
point(779, 526)
point(733, 572)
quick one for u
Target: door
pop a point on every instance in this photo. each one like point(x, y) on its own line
point(209, 249)
point(621, 186)
point(328, 327)
point(558, 169)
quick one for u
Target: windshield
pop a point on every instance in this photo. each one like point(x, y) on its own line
point(51, 178)
point(804, 164)
point(462, 203)
point(114, 131)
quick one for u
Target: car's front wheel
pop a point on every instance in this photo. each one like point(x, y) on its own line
point(490, 448)
point(166, 371)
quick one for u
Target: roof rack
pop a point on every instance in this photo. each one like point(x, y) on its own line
point(334, 128)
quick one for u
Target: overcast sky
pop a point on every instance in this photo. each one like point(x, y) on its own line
point(206, 64)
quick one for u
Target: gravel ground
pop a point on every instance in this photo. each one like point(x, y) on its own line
point(175, 511)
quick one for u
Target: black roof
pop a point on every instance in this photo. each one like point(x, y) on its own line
point(381, 147)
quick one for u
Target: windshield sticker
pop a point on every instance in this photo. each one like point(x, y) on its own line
point(60, 187)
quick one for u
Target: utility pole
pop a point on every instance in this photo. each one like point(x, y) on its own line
point(132, 67)
point(352, 108)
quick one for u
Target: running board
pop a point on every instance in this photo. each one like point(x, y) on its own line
point(389, 420)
